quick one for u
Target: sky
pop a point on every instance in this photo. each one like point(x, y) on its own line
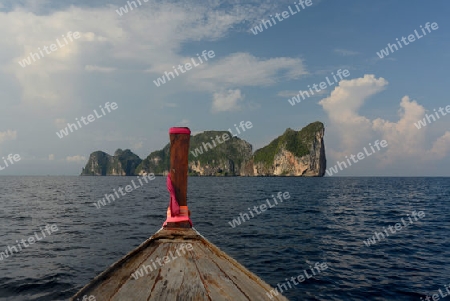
point(119, 55)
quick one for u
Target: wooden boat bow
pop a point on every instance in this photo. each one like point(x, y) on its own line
point(177, 262)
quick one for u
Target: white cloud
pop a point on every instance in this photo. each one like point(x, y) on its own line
point(151, 36)
point(40, 84)
point(93, 68)
point(342, 108)
point(441, 146)
point(227, 101)
point(243, 69)
point(76, 159)
point(8, 135)
point(403, 137)
point(355, 131)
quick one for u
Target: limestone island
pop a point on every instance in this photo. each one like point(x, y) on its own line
point(294, 153)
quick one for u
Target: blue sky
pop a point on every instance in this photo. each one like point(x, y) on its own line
point(250, 78)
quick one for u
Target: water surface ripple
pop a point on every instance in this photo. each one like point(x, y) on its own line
point(326, 220)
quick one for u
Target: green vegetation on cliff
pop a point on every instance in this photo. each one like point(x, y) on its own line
point(128, 161)
point(157, 162)
point(231, 153)
point(221, 150)
point(229, 157)
point(297, 142)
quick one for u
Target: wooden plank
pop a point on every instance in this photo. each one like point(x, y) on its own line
point(141, 288)
point(218, 283)
point(205, 273)
point(250, 284)
point(177, 233)
point(107, 288)
point(129, 262)
point(179, 279)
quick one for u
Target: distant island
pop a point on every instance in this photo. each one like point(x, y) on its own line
point(218, 153)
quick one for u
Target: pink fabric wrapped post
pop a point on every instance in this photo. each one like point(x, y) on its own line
point(175, 212)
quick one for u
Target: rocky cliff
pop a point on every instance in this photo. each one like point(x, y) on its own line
point(217, 153)
point(123, 163)
point(295, 153)
point(209, 155)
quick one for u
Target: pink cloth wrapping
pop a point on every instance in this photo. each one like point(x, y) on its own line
point(173, 212)
point(173, 204)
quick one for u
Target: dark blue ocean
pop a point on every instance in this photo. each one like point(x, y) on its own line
point(325, 220)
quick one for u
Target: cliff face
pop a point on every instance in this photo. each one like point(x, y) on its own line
point(158, 162)
point(123, 163)
point(295, 153)
point(225, 158)
point(216, 153)
point(209, 155)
